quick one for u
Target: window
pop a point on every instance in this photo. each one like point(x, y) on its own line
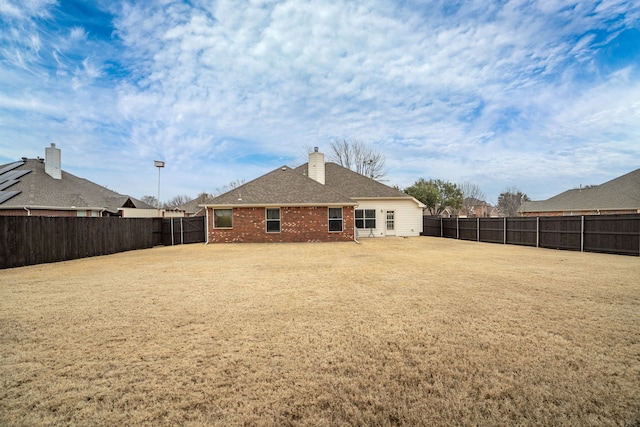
point(365, 218)
point(273, 220)
point(223, 218)
point(335, 219)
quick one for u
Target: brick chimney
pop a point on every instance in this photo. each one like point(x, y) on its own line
point(316, 166)
point(52, 162)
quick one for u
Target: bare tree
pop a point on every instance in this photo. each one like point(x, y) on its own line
point(358, 157)
point(230, 186)
point(204, 197)
point(510, 200)
point(150, 200)
point(176, 201)
point(472, 196)
point(303, 155)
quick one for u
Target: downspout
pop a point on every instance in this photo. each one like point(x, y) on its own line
point(28, 211)
point(206, 226)
point(355, 229)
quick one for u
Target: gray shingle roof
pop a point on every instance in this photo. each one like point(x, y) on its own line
point(38, 189)
point(354, 185)
point(286, 186)
point(618, 194)
point(282, 186)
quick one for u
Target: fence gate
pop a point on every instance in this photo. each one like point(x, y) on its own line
point(180, 231)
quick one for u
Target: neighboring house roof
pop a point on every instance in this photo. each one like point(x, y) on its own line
point(472, 201)
point(618, 194)
point(194, 206)
point(281, 187)
point(34, 188)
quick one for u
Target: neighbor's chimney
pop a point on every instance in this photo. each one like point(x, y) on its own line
point(316, 166)
point(52, 162)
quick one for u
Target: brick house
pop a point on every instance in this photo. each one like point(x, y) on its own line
point(39, 187)
point(476, 208)
point(619, 196)
point(317, 201)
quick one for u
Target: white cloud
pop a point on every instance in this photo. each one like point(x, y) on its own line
point(458, 92)
point(78, 34)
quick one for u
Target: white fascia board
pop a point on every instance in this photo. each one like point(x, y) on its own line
point(56, 208)
point(280, 205)
point(418, 202)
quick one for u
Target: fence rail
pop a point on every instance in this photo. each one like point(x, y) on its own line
point(29, 240)
point(615, 234)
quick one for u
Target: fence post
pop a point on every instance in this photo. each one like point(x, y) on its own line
point(441, 228)
point(582, 234)
point(181, 232)
point(478, 229)
point(457, 227)
point(171, 231)
point(504, 229)
point(537, 232)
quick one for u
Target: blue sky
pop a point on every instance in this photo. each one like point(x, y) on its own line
point(540, 95)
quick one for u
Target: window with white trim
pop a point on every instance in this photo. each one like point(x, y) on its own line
point(273, 220)
point(223, 218)
point(335, 219)
point(365, 218)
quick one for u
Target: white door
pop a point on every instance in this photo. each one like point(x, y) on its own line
point(391, 223)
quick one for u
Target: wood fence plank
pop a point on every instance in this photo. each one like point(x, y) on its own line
point(616, 234)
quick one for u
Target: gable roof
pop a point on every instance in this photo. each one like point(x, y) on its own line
point(37, 189)
point(353, 184)
point(619, 193)
point(281, 187)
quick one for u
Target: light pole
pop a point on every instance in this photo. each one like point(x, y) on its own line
point(159, 164)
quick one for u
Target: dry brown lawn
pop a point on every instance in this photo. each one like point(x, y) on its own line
point(421, 331)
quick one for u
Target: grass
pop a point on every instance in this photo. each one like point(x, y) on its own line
point(421, 331)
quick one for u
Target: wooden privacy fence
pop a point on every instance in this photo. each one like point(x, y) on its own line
point(616, 234)
point(28, 240)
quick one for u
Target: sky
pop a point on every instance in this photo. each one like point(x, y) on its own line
point(542, 96)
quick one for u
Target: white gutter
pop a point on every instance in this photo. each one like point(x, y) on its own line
point(279, 205)
point(55, 208)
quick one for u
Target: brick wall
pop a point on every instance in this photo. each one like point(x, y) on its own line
point(297, 224)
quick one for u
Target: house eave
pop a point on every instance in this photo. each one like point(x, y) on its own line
point(275, 205)
point(579, 209)
point(57, 208)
